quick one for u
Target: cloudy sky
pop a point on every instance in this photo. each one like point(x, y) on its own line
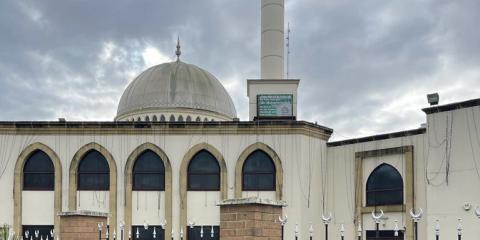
point(365, 66)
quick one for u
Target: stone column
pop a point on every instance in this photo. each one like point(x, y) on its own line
point(250, 219)
point(82, 225)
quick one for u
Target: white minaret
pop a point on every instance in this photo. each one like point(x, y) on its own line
point(272, 97)
point(272, 46)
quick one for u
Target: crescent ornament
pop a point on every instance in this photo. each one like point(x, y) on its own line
point(283, 221)
point(377, 218)
point(191, 224)
point(418, 216)
point(327, 220)
point(163, 223)
point(477, 212)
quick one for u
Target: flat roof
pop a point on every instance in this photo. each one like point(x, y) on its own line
point(221, 127)
point(377, 137)
point(452, 106)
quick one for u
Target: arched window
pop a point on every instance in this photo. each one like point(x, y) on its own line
point(172, 118)
point(93, 172)
point(139, 119)
point(147, 119)
point(148, 172)
point(154, 118)
point(198, 119)
point(258, 172)
point(384, 186)
point(162, 118)
point(205, 119)
point(189, 119)
point(203, 172)
point(180, 118)
point(39, 172)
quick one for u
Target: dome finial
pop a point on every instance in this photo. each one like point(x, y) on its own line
point(178, 52)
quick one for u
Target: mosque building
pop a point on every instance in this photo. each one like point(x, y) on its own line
point(176, 153)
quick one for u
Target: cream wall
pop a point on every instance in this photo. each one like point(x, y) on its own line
point(317, 179)
point(454, 138)
point(201, 202)
point(38, 207)
point(97, 201)
point(301, 155)
point(340, 195)
point(148, 206)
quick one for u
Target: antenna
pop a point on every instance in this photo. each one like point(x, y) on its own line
point(288, 48)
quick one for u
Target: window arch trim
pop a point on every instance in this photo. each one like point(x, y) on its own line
point(168, 184)
point(276, 160)
point(183, 177)
point(72, 194)
point(18, 182)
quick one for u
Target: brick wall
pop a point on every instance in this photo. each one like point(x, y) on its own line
point(250, 222)
point(81, 227)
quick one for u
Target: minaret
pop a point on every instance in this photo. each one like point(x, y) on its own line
point(272, 97)
point(272, 45)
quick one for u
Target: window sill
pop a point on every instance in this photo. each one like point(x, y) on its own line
point(385, 208)
point(148, 190)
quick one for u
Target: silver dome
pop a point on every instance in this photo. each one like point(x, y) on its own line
point(176, 85)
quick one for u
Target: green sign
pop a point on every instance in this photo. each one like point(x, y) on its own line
point(275, 105)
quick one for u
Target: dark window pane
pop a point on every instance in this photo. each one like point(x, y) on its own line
point(203, 172)
point(93, 162)
point(147, 234)
point(386, 197)
point(258, 172)
point(38, 181)
point(38, 162)
point(43, 231)
point(259, 182)
point(203, 162)
point(204, 182)
point(38, 172)
point(94, 181)
point(195, 233)
point(148, 162)
point(148, 181)
point(384, 186)
point(93, 172)
point(148, 172)
point(258, 161)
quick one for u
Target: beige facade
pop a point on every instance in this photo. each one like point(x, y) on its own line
point(229, 142)
point(313, 177)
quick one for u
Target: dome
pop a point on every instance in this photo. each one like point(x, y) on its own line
point(173, 88)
